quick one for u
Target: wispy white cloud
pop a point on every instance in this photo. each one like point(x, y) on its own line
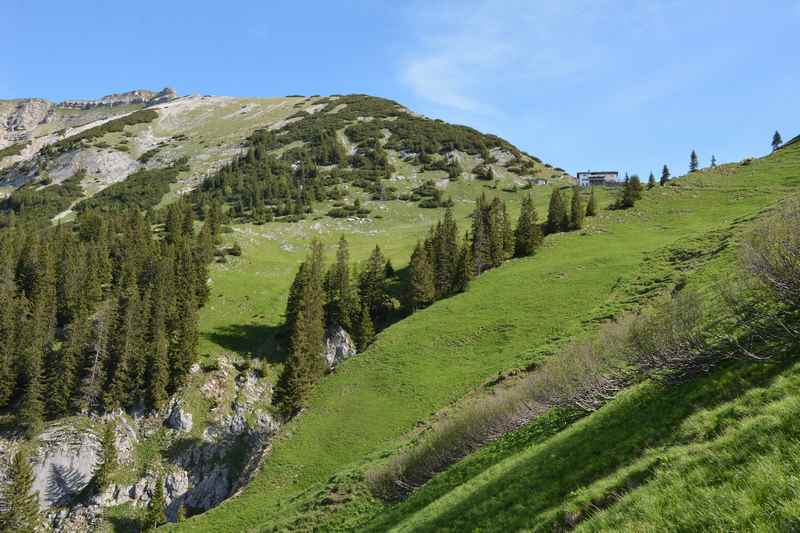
point(466, 55)
point(464, 49)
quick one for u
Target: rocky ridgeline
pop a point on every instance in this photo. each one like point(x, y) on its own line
point(139, 96)
point(19, 118)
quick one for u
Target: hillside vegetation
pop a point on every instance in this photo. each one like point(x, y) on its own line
point(510, 317)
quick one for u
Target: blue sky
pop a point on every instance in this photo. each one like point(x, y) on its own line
point(626, 85)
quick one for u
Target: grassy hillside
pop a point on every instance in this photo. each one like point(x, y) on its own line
point(508, 318)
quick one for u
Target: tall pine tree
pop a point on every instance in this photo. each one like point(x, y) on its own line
point(577, 211)
point(664, 176)
point(20, 509)
point(528, 234)
point(591, 205)
point(557, 217)
point(421, 287)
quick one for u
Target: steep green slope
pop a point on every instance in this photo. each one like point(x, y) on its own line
point(508, 318)
point(715, 453)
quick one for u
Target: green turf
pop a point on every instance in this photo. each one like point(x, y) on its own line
point(508, 318)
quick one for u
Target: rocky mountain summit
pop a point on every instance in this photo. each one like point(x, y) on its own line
point(138, 96)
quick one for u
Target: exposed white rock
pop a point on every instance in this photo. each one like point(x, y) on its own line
point(63, 464)
point(178, 418)
point(338, 346)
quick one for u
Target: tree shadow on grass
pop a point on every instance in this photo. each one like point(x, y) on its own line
point(124, 524)
point(260, 340)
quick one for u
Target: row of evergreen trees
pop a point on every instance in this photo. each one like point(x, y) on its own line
point(358, 299)
point(319, 298)
point(99, 313)
point(559, 218)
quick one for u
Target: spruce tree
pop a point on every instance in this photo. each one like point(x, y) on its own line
point(9, 314)
point(628, 196)
point(305, 365)
point(340, 309)
point(20, 506)
point(157, 373)
point(497, 226)
point(713, 161)
point(464, 266)
point(107, 461)
point(577, 211)
point(528, 235)
point(776, 141)
point(445, 253)
point(508, 234)
point(481, 247)
point(591, 205)
point(651, 180)
point(124, 347)
point(62, 370)
point(664, 175)
point(30, 415)
point(372, 284)
point(364, 331)
point(636, 187)
point(156, 509)
point(421, 287)
point(557, 218)
point(693, 162)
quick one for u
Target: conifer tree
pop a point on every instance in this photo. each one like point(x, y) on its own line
point(304, 364)
point(20, 506)
point(496, 224)
point(157, 508)
point(528, 235)
point(30, 415)
point(62, 370)
point(372, 284)
point(577, 211)
point(636, 187)
point(481, 237)
point(124, 347)
point(364, 331)
point(341, 307)
point(591, 205)
point(508, 234)
point(776, 141)
point(713, 161)
point(464, 267)
point(664, 175)
point(557, 218)
point(693, 162)
point(421, 288)
point(107, 461)
point(445, 253)
point(628, 196)
point(651, 180)
point(8, 332)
